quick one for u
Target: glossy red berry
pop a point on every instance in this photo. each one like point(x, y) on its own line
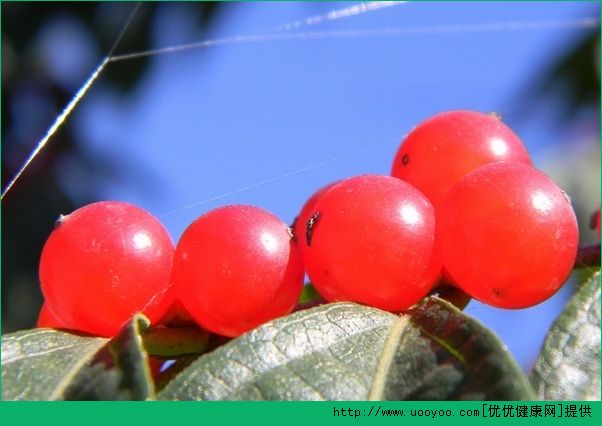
point(300, 228)
point(47, 319)
point(237, 267)
point(103, 263)
point(444, 148)
point(509, 235)
point(371, 241)
point(300, 225)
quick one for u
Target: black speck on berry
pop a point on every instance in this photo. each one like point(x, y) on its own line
point(498, 292)
point(309, 231)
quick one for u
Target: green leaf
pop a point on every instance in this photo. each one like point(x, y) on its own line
point(46, 364)
point(119, 371)
point(170, 342)
point(345, 351)
point(38, 364)
point(309, 294)
point(461, 344)
point(568, 367)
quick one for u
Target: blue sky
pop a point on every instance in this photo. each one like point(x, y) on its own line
point(267, 123)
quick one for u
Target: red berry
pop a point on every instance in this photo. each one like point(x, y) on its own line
point(442, 149)
point(103, 263)
point(371, 241)
point(47, 320)
point(300, 228)
point(509, 235)
point(237, 267)
point(300, 225)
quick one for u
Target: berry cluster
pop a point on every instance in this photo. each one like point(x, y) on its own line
point(234, 268)
point(464, 204)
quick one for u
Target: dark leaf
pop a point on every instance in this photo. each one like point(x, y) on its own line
point(568, 367)
point(38, 364)
point(345, 351)
point(574, 76)
point(119, 371)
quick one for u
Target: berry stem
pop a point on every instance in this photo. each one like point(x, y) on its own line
point(454, 295)
point(588, 256)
